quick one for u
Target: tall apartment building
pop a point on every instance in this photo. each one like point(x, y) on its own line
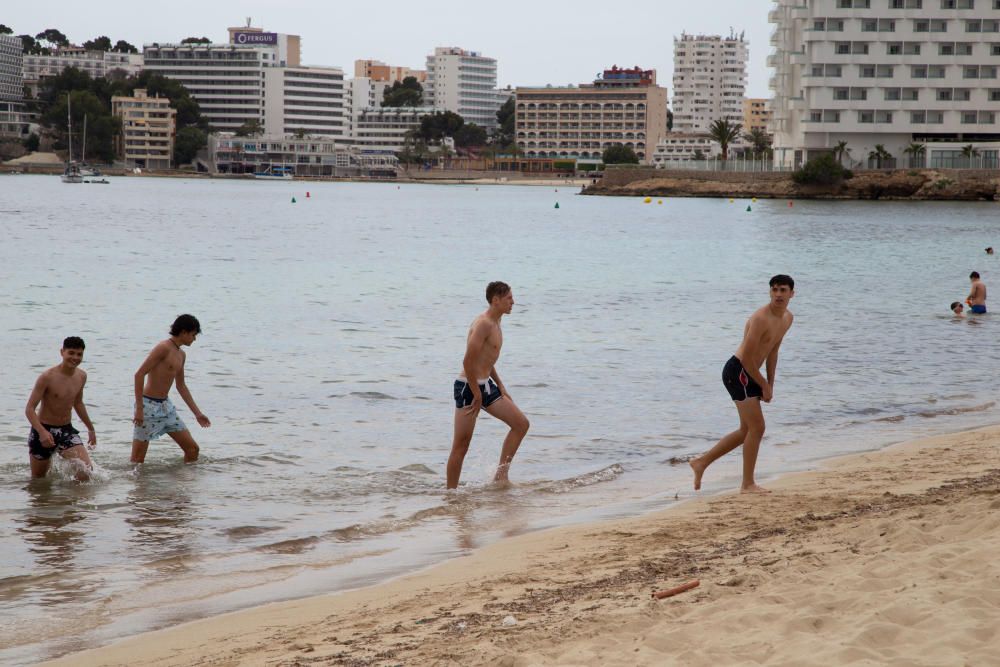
point(710, 79)
point(148, 129)
point(622, 107)
point(757, 114)
point(306, 100)
point(464, 82)
point(95, 63)
point(12, 113)
point(376, 70)
point(384, 129)
point(889, 73)
point(362, 93)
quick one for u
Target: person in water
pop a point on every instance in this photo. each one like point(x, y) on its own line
point(958, 308)
point(59, 391)
point(762, 337)
point(479, 387)
point(977, 295)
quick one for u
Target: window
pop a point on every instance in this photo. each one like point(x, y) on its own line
point(911, 49)
point(869, 25)
point(841, 93)
point(831, 116)
point(884, 71)
point(859, 48)
point(924, 26)
point(963, 49)
point(819, 24)
point(859, 93)
point(815, 116)
point(969, 117)
point(866, 116)
point(894, 48)
point(995, 49)
point(935, 117)
point(936, 72)
point(938, 25)
point(918, 72)
point(987, 72)
point(893, 94)
point(918, 117)
point(994, 94)
point(867, 71)
point(911, 94)
point(974, 26)
point(946, 49)
point(963, 94)
point(943, 95)
point(970, 72)
point(886, 25)
point(843, 48)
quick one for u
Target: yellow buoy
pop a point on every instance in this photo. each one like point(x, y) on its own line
point(647, 200)
point(754, 200)
point(659, 201)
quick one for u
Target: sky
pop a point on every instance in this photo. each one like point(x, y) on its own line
point(535, 42)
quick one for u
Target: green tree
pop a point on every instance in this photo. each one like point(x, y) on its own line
point(31, 46)
point(102, 127)
point(725, 133)
point(187, 143)
point(841, 150)
point(5, 30)
point(916, 152)
point(698, 155)
point(102, 43)
point(619, 154)
point(879, 156)
point(434, 127)
point(670, 120)
point(53, 37)
point(196, 40)
point(121, 46)
point(759, 140)
point(470, 135)
point(821, 170)
point(250, 128)
point(504, 135)
point(31, 143)
point(969, 151)
point(405, 93)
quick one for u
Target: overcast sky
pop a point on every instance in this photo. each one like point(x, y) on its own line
point(534, 41)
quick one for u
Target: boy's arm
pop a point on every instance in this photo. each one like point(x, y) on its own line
point(185, 393)
point(772, 359)
point(31, 411)
point(81, 410)
point(477, 338)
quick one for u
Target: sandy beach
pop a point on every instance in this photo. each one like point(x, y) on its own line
point(884, 558)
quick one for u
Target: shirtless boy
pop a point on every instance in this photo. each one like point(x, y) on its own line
point(977, 295)
point(154, 413)
point(480, 387)
point(60, 391)
point(762, 337)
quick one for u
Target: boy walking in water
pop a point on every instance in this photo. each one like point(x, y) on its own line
point(59, 390)
point(154, 413)
point(977, 295)
point(762, 337)
point(480, 387)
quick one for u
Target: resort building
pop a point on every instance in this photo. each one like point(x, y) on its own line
point(95, 63)
point(362, 93)
point(917, 78)
point(464, 82)
point(301, 101)
point(376, 70)
point(756, 114)
point(148, 129)
point(622, 107)
point(297, 157)
point(13, 118)
point(385, 129)
point(710, 78)
point(677, 147)
point(227, 80)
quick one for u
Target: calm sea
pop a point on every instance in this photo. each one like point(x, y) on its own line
point(334, 328)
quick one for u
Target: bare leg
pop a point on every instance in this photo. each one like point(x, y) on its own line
point(39, 469)
point(507, 411)
point(187, 443)
point(465, 425)
point(749, 434)
point(139, 448)
point(80, 460)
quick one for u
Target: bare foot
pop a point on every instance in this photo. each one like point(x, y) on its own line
point(699, 470)
point(753, 488)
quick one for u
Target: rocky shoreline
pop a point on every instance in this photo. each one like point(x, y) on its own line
point(898, 184)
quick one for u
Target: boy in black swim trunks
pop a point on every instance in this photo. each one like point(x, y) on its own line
point(741, 375)
point(59, 390)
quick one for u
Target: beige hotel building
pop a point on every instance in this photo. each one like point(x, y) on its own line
point(148, 128)
point(622, 107)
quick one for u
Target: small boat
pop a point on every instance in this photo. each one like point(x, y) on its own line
point(100, 181)
point(72, 173)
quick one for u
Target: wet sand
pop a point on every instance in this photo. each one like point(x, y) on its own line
point(884, 558)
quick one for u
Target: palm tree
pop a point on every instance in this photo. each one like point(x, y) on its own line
point(840, 151)
point(759, 140)
point(916, 152)
point(724, 133)
point(879, 155)
point(969, 152)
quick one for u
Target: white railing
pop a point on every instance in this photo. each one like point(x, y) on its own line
point(738, 164)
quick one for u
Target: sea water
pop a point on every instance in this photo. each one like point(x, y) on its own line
point(333, 330)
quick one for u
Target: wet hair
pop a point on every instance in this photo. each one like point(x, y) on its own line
point(782, 279)
point(955, 303)
point(974, 274)
point(989, 251)
point(73, 343)
point(185, 323)
point(496, 288)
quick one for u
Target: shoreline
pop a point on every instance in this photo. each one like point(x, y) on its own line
point(800, 575)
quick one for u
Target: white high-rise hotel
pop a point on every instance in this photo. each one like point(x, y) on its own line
point(886, 72)
point(710, 79)
point(464, 82)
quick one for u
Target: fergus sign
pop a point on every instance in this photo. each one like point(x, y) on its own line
point(266, 38)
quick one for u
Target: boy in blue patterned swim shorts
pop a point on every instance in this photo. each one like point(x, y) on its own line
point(155, 415)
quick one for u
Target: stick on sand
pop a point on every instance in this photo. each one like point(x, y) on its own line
point(670, 592)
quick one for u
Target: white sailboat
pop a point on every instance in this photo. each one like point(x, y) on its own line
point(71, 174)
